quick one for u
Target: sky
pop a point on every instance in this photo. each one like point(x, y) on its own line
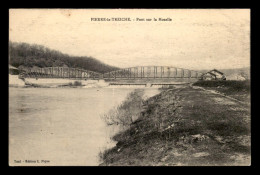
point(192, 38)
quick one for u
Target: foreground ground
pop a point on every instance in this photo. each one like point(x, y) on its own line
point(188, 125)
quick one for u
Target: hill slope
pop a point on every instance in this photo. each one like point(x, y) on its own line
point(38, 55)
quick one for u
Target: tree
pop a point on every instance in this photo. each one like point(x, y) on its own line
point(38, 55)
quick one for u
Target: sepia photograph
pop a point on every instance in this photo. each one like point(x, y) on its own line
point(129, 87)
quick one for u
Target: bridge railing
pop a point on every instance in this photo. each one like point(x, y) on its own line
point(60, 72)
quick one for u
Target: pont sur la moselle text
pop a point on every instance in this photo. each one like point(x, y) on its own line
point(130, 19)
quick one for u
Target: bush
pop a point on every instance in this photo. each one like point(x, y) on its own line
point(77, 83)
point(124, 113)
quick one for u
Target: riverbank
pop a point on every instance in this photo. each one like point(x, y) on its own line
point(14, 81)
point(185, 126)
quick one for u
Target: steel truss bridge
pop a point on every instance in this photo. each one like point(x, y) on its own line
point(151, 72)
point(59, 72)
point(140, 72)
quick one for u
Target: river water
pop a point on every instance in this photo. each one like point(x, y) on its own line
point(61, 125)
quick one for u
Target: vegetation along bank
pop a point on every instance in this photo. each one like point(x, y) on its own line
point(189, 125)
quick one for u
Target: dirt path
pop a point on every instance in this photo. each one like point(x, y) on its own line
point(220, 94)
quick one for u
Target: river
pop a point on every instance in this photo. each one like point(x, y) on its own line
point(61, 125)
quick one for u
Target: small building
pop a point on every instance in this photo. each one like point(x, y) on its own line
point(213, 75)
point(219, 75)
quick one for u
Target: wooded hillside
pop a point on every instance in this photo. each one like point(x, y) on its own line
point(38, 55)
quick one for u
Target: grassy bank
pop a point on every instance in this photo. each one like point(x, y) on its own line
point(184, 126)
point(239, 90)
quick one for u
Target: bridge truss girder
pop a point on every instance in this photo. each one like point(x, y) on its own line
point(60, 72)
point(151, 72)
